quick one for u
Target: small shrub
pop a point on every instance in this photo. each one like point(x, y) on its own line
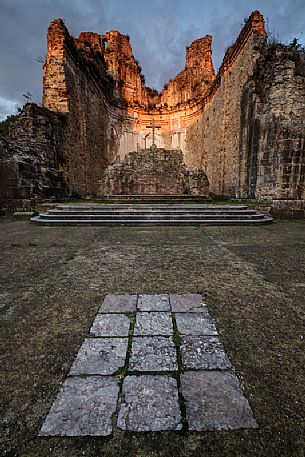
point(5, 125)
point(296, 45)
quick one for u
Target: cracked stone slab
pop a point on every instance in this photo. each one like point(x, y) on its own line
point(84, 406)
point(153, 353)
point(100, 356)
point(153, 302)
point(204, 353)
point(154, 323)
point(195, 324)
point(215, 401)
point(110, 325)
point(118, 303)
point(191, 303)
point(150, 404)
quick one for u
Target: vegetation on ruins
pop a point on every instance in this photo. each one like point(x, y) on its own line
point(6, 123)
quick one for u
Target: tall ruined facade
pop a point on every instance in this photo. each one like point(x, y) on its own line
point(244, 127)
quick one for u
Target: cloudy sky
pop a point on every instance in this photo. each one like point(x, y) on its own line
point(159, 30)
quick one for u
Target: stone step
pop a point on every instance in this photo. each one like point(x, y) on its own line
point(70, 222)
point(154, 198)
point(161, 216)
point(150, 214)
point(127, 211)
point(107, 207)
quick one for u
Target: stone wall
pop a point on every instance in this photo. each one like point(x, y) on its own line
point(197, 113)
point(212, 138)
point(153, 172)
point(244, 127)
point(195, 80)
point(77, 81)
point(31, 159)
point(272, 142)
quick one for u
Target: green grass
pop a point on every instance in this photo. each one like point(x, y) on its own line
point(69, 257)
point(268, 279)
point(177, 339)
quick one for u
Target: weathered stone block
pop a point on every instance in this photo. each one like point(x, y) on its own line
point(204, 353)
point(153, 353)
point(215, 401)
point(110, 325)
point(153, 323)
point(118, 303)
point(84, 406)
point(150, 404)
point(195, 324)
point(103, 356)
point(148, 302)
point(191, 303)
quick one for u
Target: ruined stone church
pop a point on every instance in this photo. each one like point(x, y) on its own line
point(237, 133)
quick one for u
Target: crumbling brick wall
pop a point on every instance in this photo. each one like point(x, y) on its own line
point(244, 127)
point(272, 141)
point(212, 137)
point(77, 82)
point(31, 160)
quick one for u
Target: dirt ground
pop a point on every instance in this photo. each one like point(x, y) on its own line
point(53, 279)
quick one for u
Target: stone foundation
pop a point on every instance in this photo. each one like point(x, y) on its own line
point(153, 171)
point(294, 209)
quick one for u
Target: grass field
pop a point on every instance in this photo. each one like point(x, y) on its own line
point(53, 279)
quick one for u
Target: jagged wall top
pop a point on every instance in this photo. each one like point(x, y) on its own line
point(110, 60)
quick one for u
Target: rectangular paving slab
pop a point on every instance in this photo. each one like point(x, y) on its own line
point(204, 353)
point(150, 404)
point(84, 406)
point(153, 353)
point(191, 303)
point(100, 356)
point(110, 325)
point(195, 324)
point(215, 401)
point(119, 303)
point(154, 323)
point(153, 302)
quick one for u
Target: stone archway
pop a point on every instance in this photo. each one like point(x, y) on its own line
point(159, 141)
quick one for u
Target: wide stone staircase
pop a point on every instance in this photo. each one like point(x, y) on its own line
point(156, 214)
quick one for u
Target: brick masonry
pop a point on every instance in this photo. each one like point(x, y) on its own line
point(244, 127)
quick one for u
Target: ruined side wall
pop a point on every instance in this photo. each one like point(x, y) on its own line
point(195, 80)
point(31, 158)
point(123, 66)
point(272, 143)
point(212, 138)
point(76, 81)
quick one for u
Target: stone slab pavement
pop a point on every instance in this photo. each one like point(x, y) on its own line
point(150, 363)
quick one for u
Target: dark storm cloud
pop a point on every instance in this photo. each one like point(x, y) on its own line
point(159, 30)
